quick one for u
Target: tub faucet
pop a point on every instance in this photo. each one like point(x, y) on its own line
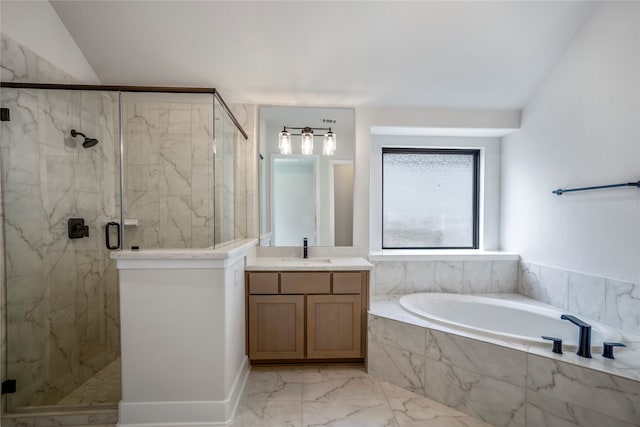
point(584, 340)
point(305, 248)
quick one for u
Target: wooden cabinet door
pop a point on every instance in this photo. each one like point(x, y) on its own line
point(276, 327)
point(334, 326)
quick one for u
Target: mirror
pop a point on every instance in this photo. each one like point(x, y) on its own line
point(306, 195)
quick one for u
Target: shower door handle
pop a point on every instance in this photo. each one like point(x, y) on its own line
point(107, 237)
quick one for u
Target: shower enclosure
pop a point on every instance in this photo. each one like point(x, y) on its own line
point(84, 169)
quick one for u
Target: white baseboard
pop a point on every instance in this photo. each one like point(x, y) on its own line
point(211, 413)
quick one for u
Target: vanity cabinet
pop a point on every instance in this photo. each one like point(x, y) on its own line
point(306, 315)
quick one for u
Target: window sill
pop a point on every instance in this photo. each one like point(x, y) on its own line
point(441, 255)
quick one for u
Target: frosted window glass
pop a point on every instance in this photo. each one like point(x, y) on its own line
point(428, 199)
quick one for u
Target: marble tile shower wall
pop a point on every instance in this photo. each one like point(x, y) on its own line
point(169, 176)
point(247, 167)
point(19, 64)
point(169, 171)
point(61, 293)
point(230, 181)
point(468, 277)
point(609, 301)
point(61, 298)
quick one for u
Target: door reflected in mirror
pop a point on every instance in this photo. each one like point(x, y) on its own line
point(306, 195)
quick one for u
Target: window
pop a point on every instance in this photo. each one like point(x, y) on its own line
point(430, 198)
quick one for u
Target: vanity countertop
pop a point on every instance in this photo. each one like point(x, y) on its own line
point(306, 264)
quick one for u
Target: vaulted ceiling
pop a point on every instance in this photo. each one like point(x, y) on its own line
point(445, 54)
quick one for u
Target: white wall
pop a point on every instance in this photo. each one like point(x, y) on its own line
point(37, 26)
point(580, 128)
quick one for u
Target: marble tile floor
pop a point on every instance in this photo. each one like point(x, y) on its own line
point(316, 395)
point(103, 388)
point(337, 396)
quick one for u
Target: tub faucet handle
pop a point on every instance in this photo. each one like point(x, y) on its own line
point(584, 339)
point(608, 349)
point(557, 344)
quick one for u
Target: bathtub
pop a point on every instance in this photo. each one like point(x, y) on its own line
point(503, 319)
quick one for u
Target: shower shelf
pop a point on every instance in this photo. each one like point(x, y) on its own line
point(127, 221)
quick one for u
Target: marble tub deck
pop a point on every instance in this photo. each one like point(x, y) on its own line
point(503, 383)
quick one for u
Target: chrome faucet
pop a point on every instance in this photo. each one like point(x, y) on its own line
point(305, 248)
point(584, 340)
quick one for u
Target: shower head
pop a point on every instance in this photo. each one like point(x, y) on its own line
point(88, 142)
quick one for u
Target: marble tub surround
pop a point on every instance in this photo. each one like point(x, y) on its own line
point(612, 302)
point(398, 277)
point(502, 383)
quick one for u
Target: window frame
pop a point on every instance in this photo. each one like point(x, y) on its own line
point(476, 192)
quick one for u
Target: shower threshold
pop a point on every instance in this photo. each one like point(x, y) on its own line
point(94, 403)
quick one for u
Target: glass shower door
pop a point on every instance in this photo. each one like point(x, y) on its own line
point(58, 192)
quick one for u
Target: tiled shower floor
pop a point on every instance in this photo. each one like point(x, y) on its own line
point(104, 387)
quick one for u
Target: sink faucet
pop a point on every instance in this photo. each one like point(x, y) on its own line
point(584, 340)
point(305, 248)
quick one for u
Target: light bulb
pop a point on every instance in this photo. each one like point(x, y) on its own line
point(284, 142)
point(306, 142)
point(329, 146)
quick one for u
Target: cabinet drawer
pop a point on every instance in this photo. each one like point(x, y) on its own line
point(347, 282)
point(263, 283)
point(306, 283)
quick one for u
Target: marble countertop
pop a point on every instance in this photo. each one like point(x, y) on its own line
point(221, 252)
point(312, 263)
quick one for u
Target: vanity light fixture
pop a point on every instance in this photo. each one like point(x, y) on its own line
point(306, 140)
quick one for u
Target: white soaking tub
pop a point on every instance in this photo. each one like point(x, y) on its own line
point(504, 319)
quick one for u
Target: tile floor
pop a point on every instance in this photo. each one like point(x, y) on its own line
point(337, 396)
point(103, 388)
point(310, 395)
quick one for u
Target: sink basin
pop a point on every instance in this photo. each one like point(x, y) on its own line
point(305, 261)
